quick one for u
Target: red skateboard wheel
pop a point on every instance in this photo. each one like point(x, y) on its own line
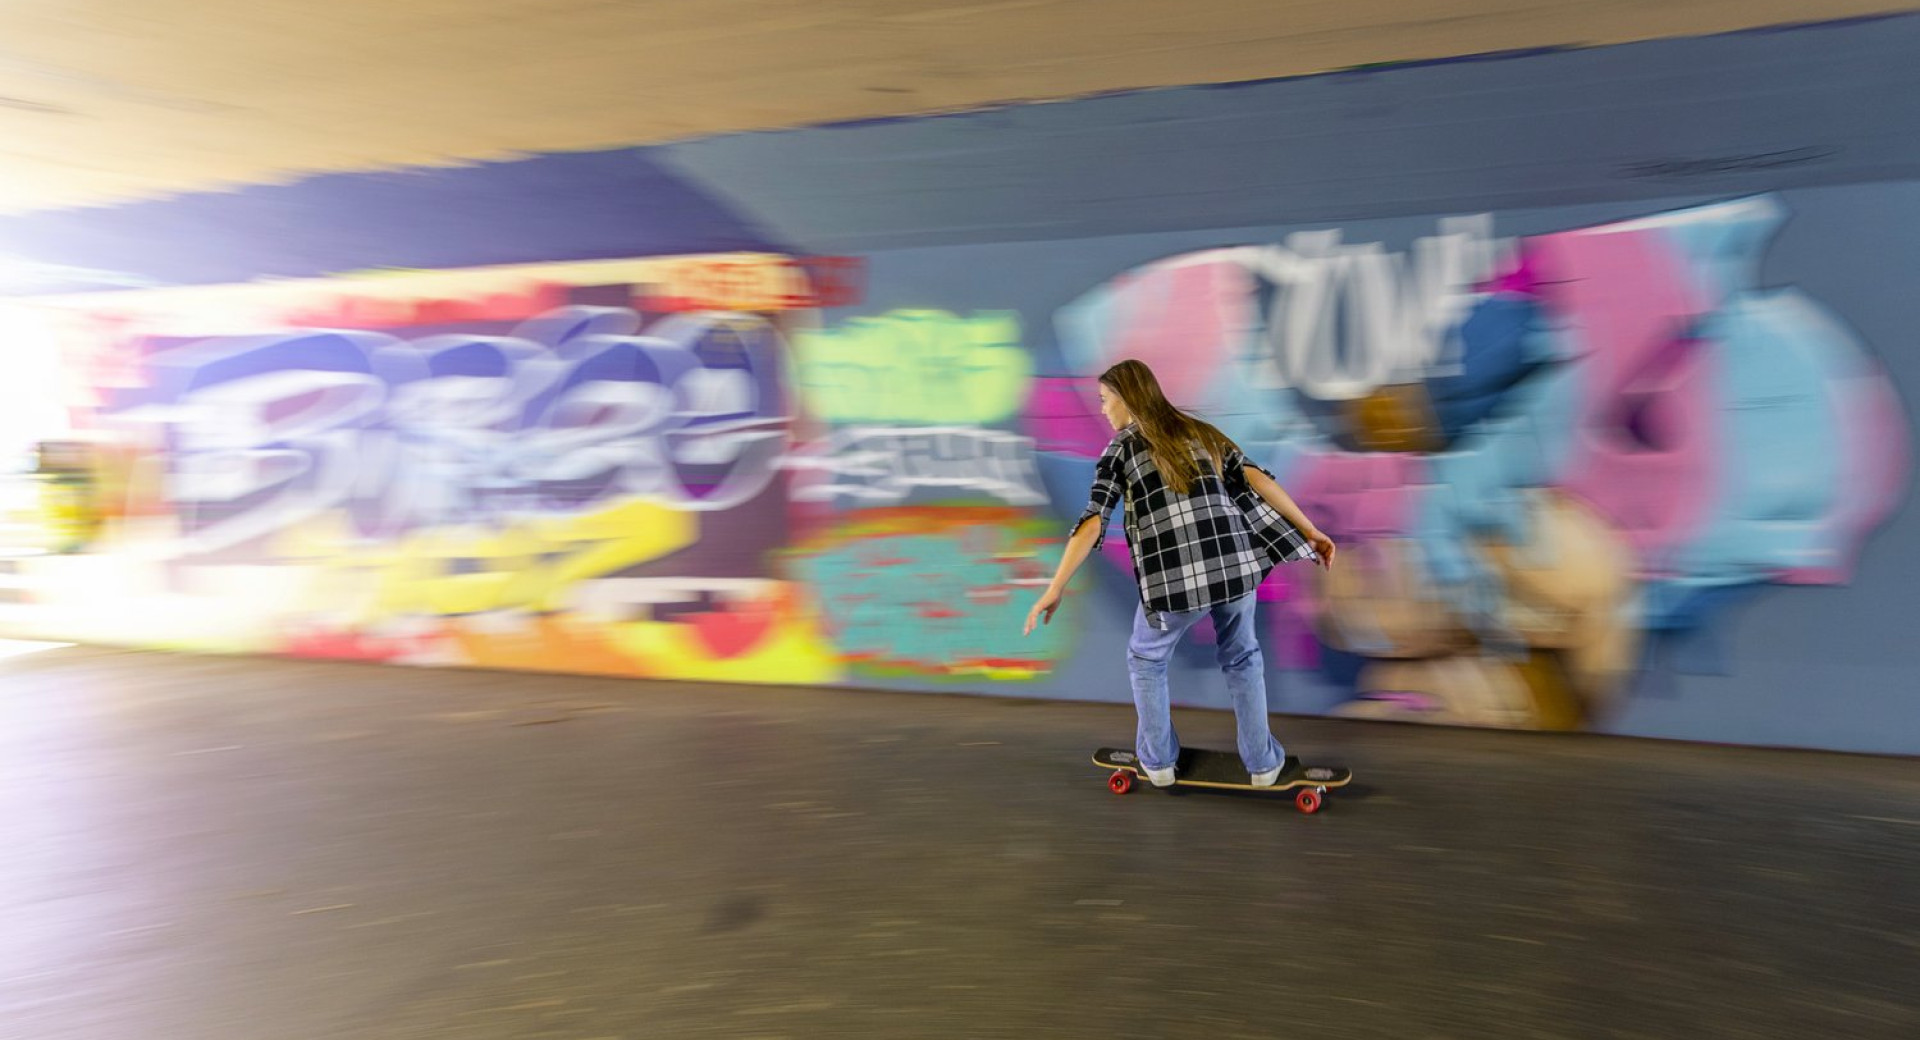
point(1120, 782)
point(1308, 800)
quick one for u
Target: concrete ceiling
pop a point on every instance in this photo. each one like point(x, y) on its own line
point(106, 101)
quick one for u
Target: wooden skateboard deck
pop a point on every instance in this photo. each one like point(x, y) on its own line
point(1201, 767)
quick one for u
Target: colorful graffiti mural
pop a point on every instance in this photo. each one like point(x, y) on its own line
point(908, 580)
point(581, 467)
point(515, 469)
point(932, 590)
point(1541, 455)
point(1536, 452)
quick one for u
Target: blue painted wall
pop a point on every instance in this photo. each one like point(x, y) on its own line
point(1794, 666)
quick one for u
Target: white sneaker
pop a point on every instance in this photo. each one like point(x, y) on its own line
point(1163, 777)
point(1267, 778)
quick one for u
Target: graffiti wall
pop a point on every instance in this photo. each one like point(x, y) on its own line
point(650, 468)
point(1543, 453)
point(1571, 456)
point(569, 467)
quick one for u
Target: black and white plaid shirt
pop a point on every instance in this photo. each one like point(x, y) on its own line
point(1190, 551)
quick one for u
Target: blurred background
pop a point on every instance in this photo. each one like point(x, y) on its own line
point(753, 342)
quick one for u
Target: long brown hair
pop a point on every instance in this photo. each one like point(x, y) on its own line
point(1170, 433)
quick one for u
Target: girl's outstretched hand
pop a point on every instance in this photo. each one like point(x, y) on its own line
point(1042, 611)
point(1322, 546)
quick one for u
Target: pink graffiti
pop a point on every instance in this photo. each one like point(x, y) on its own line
point(1181, 317)
point(1373, 495)
point(1062, 416)
point(1642, 451)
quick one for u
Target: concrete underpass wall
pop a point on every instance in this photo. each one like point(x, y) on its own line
point(1622, 446)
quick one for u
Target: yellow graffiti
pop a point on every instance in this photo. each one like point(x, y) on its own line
point(530, 567)
point(70, 511)
point(793, 650)
point(787, 646)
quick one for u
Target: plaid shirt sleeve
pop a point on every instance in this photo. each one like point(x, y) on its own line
point(1108, 486)
point(1279, 539)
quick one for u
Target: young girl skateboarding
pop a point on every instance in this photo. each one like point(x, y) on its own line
point(1204, 527)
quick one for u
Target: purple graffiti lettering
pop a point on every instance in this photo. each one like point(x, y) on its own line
point(570, 411)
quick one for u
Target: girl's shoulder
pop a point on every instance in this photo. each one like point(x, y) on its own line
point(1124, 440)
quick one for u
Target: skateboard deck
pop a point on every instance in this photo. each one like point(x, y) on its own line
point(1201, 767)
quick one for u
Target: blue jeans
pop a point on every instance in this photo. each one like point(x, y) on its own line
point(1239, 654)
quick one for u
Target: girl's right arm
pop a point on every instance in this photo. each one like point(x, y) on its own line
point(1277, 497)
point(1079, 547)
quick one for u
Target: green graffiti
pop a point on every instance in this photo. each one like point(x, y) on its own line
point(918, 367)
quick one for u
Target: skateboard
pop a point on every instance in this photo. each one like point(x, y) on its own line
point(1199, 767)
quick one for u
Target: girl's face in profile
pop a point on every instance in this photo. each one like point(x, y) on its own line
point(1112, 407)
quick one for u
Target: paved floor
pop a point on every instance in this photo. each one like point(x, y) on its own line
point(204, 848)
